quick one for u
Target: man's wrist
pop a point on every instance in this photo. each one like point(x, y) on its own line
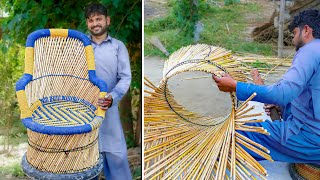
point(234, 87)
point(111, 102)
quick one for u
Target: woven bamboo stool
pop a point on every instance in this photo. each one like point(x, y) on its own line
point(181, 144)
point(58, 96)
point(304, 171)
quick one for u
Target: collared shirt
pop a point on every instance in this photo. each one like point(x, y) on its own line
point(113, 67)
point(298, 92)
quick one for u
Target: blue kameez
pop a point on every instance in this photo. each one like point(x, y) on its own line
point(297, 138)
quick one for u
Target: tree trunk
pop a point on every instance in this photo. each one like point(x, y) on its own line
point(136, 69)
point(281, 22)
point(268, 33)
point(138, 135)
point(126, 118)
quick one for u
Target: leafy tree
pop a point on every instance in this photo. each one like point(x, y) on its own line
point(28, 16)
point(186, 13)
point(10, 70)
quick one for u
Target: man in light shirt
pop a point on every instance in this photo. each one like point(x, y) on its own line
point(113, 67)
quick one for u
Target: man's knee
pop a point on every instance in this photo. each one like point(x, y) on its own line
point(117, 159)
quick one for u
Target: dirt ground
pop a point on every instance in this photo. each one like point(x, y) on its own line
point(257, 19)
point(154, 8)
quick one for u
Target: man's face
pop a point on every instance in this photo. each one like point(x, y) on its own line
point(98, 24)
point(297, 38)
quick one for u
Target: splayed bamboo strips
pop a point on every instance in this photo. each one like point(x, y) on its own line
point(180, 144)
point(239, 122)
point(246, 101)
point(252, 130)
point(243, 155)
point(252, 142)
point(242, 107)
point(254, 149)
point(249, 115)
point(245, 111)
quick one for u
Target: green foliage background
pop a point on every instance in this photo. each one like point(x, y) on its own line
point(223, 26)
point(26, 16)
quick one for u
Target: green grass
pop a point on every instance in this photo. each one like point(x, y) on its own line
point(259, 64)
point(137, 173)
point(12, 169)
point(215, 31)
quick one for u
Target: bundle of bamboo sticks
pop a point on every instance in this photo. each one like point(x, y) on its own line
point(179, 144)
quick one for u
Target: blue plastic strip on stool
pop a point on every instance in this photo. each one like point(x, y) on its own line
point(34, 173)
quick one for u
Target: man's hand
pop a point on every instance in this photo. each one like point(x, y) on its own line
point(272, 110)
point(267, 108)
point(225, 83)
point(105, 102)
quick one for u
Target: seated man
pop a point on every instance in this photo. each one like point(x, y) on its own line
point(297, 138)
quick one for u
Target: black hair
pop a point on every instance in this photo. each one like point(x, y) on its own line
point(310, 17)
point(94, 8)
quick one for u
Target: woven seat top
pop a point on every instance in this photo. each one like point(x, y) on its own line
point(64, 113)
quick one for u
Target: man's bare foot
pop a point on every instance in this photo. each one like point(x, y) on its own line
point(256, 77)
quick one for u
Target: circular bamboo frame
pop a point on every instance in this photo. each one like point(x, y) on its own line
point(196, 61)
point(183, 144)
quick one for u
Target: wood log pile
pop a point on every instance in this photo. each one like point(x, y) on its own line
point(268, 33)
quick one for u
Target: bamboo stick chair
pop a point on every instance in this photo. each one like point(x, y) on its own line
point(300, 171)
point(180, 144)
point(58, 96)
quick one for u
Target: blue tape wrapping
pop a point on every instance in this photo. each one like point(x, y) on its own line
point(23, 81)
point(51, 130)
point(36, 35)
point(96, 81)
point(46, 32)
point(78, 35)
